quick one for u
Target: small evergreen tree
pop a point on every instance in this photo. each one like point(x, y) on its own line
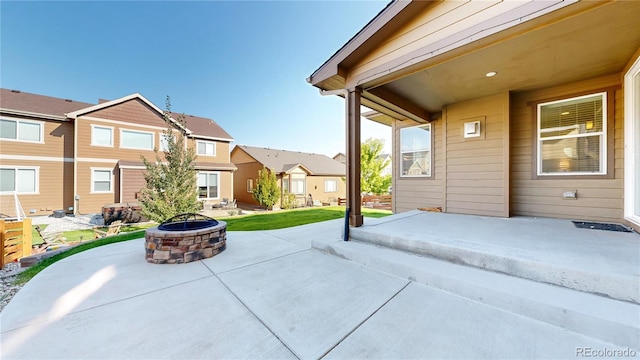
point(266, 191)
point(371, 179)
point(171, 187)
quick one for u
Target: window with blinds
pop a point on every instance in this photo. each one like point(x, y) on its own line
point(572, 136)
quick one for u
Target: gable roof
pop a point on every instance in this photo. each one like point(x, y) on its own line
point(204, 128)
point(106, 104)
point(22, 103)
point(284, 161)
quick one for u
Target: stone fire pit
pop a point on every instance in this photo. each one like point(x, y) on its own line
point(185, 238)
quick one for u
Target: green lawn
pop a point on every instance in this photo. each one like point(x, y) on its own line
point(285, 219)
point(261, 221)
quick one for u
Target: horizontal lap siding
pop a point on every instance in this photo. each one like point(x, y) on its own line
point(55, 189)
point(93, 202)
point(132, 182)
point(476, 167)
point(412, 193)
point(245, 171)
point(58, 142)
point(135, 111)
point(315, 187)
point(598, 199)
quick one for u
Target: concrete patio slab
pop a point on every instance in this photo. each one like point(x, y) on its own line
point(271, 295)
point(423, 323)
point(250, 248)
point(199, 319)
point(546, 250)
point(93, 278)
point(311, 301)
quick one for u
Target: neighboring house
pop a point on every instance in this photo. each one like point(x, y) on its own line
point(387, 170)
point(60, 154)
point(340, 157)
point(500, 108)
point(298, 173)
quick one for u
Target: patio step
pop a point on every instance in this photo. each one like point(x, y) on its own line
point(511, 261)
point(594, 316)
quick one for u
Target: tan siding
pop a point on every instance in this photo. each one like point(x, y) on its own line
point(441, 21)
point(412, 193)
point(245, 171)
point(55, 189)
point(134, 111)
point(476, 174)
point(222, 151)
point(86, 150)
point(58, 141)
point(598, 199)
point(315, 187)
point(239, 156)
point(93, 202)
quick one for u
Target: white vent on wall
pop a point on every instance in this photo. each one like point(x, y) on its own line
point(472, 129)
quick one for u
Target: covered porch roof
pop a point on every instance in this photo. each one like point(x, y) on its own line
point(529, 45)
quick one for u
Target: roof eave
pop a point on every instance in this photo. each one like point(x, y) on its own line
point(75, 114)
point(33, 114)
point(389, 18)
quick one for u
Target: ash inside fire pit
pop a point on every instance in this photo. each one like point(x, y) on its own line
point(185, 238)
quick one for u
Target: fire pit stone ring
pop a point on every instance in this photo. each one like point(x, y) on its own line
point(185, 238)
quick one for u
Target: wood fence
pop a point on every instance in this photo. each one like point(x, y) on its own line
point(15, 238)
point(372, 201)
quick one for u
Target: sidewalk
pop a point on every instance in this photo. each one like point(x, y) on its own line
point(268, 295)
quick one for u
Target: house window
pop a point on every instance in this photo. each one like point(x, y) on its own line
point(19, 179)
point(101, 136)
point(297, 186)
point(101, 180)
point(572, 136)
point(131, 139)
point(415, 151)
point(21, 130)
point(208, 185)
point(285, 185)
point(330, 185)
point(164, 141)
point(206, 148)
point(249, 185)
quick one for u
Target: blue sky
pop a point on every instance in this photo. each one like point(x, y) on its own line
point(241, 63)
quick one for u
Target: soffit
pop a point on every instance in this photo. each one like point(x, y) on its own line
point(596, 42)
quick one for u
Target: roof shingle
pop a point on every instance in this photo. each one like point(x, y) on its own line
point(283, 161)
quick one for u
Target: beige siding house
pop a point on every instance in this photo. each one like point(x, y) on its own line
point(59, 154)
point(298, 173)
point(500, 108)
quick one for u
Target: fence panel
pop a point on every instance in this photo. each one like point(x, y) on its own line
point(16, 239)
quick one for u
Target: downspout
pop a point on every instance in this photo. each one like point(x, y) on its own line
point(344, 93)
point(76, 196)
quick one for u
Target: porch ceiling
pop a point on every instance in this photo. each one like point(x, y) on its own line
point(549, 54)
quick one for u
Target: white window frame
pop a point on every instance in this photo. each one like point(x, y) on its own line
point(328, 181)
point(602, 135)
point(18, 168)
point(217, 185)
point(93, 137)
point(304, 186)
point(18, 122)
point(249, 185)
point(198, 142)
point(93, 180)
point(631, 142)
point(164, 142)
point(430, 150)
point(153, 139)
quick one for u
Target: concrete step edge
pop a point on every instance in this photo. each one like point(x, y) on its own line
point(594, 316)
point(616, 286)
